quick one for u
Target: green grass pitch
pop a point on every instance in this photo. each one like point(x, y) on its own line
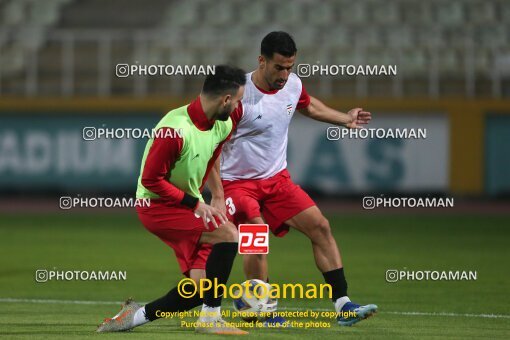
point(370, 244)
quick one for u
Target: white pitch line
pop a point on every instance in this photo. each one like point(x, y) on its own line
point(61, 302)
point(86, 302)
point(488, 316)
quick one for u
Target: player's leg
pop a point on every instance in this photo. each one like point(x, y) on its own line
point(217, 268)
point(170, 302)
point(313, 224)
point(213, 261)
point(184, 241)
point(316, 227)
point(290, 206)
point(218, 264)
point(255, 265)
point(133, 315)
point(242, 202)
point(167, 224)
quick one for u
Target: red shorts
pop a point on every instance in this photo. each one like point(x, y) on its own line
point(179, 228)
point(277, 198)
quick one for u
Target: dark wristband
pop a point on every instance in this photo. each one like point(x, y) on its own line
point(189, 201)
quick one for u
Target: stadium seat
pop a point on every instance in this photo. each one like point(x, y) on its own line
point(386, 13)
point(44, 13)
point(482, 12)
point(289, 12)
point(248, 58)
point(483, 61)
point(182, 56)
point(339, 36)
point(414, 62)
point(397, 36)
point(458, 37)
point(13, 60)
point(352, 13)
point(502, 64)
point(14, 12)
point(252, 13)
point(329, 31)
point(181, 13)
point(449, 13)
point(344, 56)
point(321, 16)
point(416, 12)
point(450, 61)
point(306, 36)
point(221, 14)
point(369, 37)
point(378, 56)
point(199, 36)
point(492, 35)
point(31, 36)
point(504, 12)
point(235, 39)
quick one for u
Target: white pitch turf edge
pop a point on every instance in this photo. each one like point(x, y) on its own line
point(85, 302)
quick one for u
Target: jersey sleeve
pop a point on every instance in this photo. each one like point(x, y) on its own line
point(237, 115)
point(163, 154)
point(304, 99)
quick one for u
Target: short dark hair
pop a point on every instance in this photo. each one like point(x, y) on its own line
point(225, 79)
point(278, 42)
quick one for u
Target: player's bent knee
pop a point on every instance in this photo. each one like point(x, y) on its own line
point(321, 228)
point(324, 226)
point(229, 233)
point(225, 233)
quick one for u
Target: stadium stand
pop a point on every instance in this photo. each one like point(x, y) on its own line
point(71, 47)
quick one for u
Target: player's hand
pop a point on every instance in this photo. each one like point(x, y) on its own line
point(208, 213)
point(359, 117)
point(218, 202)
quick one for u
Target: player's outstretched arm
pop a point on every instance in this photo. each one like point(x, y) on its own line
point(319, 111)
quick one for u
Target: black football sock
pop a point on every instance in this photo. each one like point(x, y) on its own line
point(336, 279)
point(171, 302)
point(218, 265)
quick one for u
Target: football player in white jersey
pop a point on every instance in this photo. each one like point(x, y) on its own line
point(255, 184)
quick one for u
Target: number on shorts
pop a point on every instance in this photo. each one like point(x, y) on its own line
point(229, 202)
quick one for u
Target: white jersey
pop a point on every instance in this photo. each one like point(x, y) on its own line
point(257, 148)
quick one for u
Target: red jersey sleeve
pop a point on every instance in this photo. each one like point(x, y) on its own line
point(160, 160)
point(304, 99)
point(236, 115)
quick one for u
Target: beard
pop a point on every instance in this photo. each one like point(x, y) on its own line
point(225, 113)
point(279, 84)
